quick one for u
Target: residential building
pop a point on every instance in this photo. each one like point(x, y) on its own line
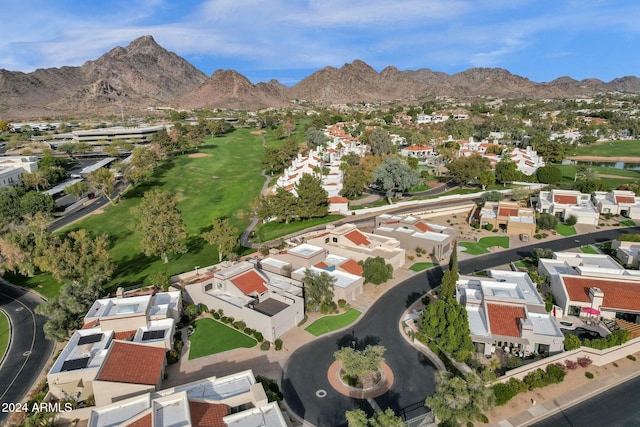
point(267, 302)
point(419, 151)
point(505, 311)
point(564, 203)
point(347, 241)
point(527, 160)
point(583, 283)
point(339, 205)
point(12, 168)
point(627, 252)
point(509, 217)
point(617, 202)
point(233, 401)
point(412, 232)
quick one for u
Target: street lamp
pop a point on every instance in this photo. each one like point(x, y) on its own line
point(197, 267)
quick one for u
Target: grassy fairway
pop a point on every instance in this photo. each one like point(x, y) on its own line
point(483, 245)
point(331, 323)
point(211, 337)
point(609, 149)
point(611, 177)
point(221, 182)
point(420, 266)
point(5, 334)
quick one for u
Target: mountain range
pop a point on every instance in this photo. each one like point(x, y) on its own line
point(144, 74)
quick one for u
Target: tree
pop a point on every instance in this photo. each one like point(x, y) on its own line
point(549, 174)
point(21, 241)
point(507, 170)
point(35, 180)
point(547, 221)
point(486, 178)
point(376, 270)
point(161, 280)
point(492, 196)
point(35, 202)
point(413, 162)
point(586, 173)
point(354, 181)
point(164, 142)
point(379, 142)
point(468, 169)
point(571, 342)
point(395, 175)
point(9, 205)
point(77, 190)
point(77, 257)
point(386, 418)
point(224, 235)
point(65, 312)
point(315, 137)
point(356, 418)
point(460, 399)
point(143, 162)
point(358, 363)
point(161, 225)
point(312, 198)
point(318, 289)
point(283, 205)
point(103, 181)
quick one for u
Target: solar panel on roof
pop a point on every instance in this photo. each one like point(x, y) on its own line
point(73, 364)
point(153, 335)
point(90, 339)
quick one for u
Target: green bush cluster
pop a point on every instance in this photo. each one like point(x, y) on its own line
point(265, 345)
point(552, 374)
point(489, 227)
point(615, 338)
point(278, 344)
point(342, 303)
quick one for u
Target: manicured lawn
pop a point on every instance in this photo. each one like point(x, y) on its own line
point(420, 266)
point(566, 230)
point(520, 264)
point(588, 249)
point(331, 323)
point(614, 177)
point(223, 183)
point(627, 223)
point(273, 230)
point(5, 334)
point(625, 148)
point(211, 337)
point(483, 245)
point(43, 283)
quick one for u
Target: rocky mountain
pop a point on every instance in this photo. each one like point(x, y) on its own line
point(133, 77)
point(145, 74)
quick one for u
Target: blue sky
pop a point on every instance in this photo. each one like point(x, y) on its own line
point(289, 39)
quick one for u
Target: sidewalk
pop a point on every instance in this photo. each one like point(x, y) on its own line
point(574, 389)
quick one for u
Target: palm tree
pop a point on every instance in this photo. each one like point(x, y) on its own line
point(585, 173)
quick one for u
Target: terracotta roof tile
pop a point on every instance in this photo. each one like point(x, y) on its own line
point(338, 200)
point(617, 294)
point(565, 199)
point(91, 324)
point(358, 238)
point(351, 266)
point(508, 212)
point(250, 282)
point(422, 227)
point(204, 278)
point(132, 363)
point(124, 335)
point(208, 414)
point(504, 319)
point(321, 264)
point(142, 422)
point(625, 199)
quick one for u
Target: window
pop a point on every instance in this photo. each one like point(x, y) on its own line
point(219, 285)
point(208, 287)
point(326, 240)
point(335, 240)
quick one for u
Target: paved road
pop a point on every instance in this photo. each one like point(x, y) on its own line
point(306, 371)
point(80, 213)
point(617, 407)
point(29, 351)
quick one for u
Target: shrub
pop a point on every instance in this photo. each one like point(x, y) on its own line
point(547, 221)
point(191, 310)
point(239, 325)
point(224, 319)
point(248, 331)
point(571, 342)
point(230, 320)
point(503, 393)
point(271, 388)
point(258, 336)
point(488, 227)
point(278, 344)
point(631, 357)
point(172, 357)
point(266, 345)
point(571, 220)
point(342, 303)
point(615, 364)
point(216, 316)
point(475, 224)
point(584, 361)
point(513, 362)
point(570, 364)
point(588, 375)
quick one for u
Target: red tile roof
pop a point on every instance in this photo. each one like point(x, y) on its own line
point(358, 238)
point(124, 335)
point(617, 294)
point(321, 264)
point(504, 319)
point(91, 324)
point(508, 212)
point(132, 363)
point(565, 199)
point(422, 226)
point(351, 266)
point(204, 278)
point(250, 282)
point(142, 422)
point(207, 414)
point(625, 199)
point(338, 200)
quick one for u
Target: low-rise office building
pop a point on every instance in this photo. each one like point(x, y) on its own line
point(12, 168)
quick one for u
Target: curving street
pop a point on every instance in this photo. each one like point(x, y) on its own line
point(306, 370)
point(28, 352)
